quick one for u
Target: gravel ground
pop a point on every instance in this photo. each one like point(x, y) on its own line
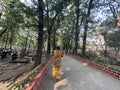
point(79, 76)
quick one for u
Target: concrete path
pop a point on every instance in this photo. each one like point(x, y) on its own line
point(79, 76)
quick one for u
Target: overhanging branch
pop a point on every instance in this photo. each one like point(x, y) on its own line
point(2, 32)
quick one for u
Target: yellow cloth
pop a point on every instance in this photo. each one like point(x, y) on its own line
point(57, 63)
point(55, 72)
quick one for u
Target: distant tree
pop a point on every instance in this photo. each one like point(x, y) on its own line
point(114, 40)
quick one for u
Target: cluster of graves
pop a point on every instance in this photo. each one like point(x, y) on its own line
point(8, 53)
point(13, 55)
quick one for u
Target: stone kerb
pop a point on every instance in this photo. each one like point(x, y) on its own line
point(35, 84)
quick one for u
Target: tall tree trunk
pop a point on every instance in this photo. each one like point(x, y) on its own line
point(105, 37)
point(7, 36)
point(118, 47)
point(26, 41)
point(54, 34)
point(76, 27)
point(54, 39)
point(11, 38)
point(49, 34)
point(30, 44)
point(40, 33)
point(49, 44)
point(86, 27)
point(49, 31)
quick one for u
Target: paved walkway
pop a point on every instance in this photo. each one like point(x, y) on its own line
point(79, 76)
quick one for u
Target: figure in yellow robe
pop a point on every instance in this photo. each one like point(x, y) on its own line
point(58, 54)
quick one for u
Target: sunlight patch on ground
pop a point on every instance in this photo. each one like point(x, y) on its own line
point(68, 68)
point(63, 83)
point(85, 64)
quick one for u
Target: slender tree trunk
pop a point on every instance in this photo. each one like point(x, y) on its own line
point(7, 38)
point(40, 33)
point(49, 44)
point(54, 40)
point(49, 34)
point(11, 38)
point(105, 52)
point(4, 39)
point(105, 39)
point(114, 50)
point(118, 48)
point(30, 44)
point(86, 27)
point(26, 41)
point(100, 44)
point(76, 27)
point(54, 34)
point(85, 36)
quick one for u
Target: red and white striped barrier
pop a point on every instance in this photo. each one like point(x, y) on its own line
point(113, 73)
point(35, 84)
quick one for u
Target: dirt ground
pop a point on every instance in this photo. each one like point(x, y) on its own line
point(11, 73)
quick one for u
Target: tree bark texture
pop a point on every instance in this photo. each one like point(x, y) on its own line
point(40, 33)
point(76, 27)
point(86, 27)
point(49, 34)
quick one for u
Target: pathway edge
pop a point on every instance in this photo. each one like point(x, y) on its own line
point(113, 73)
point(35, 84)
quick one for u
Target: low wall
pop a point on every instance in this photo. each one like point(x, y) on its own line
point(113, 73)
point(35, 85)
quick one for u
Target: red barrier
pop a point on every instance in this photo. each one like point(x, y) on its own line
point(113, 73)
point(35, 85)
